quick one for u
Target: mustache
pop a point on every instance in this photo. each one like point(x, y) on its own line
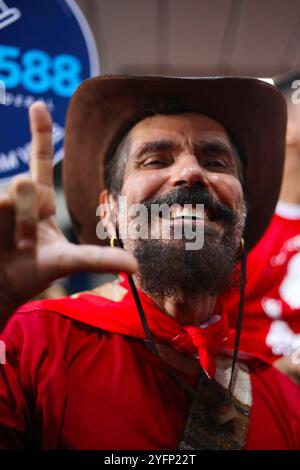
point(217, 210)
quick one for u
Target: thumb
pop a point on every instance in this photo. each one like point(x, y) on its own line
point(96, 259)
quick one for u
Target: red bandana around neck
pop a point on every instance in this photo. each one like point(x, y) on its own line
point(122, 317)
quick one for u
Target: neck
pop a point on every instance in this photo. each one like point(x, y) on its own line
point(290, 188)
point(187, 310)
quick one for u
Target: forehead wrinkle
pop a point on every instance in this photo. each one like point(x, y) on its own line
point(185, 126)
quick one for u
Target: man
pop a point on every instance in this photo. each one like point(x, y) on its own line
point(271, 324)
point(88, 372)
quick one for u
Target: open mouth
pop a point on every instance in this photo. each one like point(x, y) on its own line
point(191, 213)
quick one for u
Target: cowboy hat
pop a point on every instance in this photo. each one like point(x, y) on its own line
point(104, 108)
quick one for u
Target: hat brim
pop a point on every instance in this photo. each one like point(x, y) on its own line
point(103, 108)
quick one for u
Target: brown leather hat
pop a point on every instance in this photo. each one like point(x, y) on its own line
point(104, 108)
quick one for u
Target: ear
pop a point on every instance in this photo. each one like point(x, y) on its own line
point(291, 136)
point(108, 211)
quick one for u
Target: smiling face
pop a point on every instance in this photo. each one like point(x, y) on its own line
point(185, 150)
point(185, 158)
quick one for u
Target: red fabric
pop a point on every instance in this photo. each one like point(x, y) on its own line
point(123, 318)
point(271, 323)
point(275, 412)
point(70, 385)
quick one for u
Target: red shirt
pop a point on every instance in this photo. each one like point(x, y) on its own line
point(74, 386)
point(271, 323)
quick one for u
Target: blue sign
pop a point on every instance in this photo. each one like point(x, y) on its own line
point(46, 50)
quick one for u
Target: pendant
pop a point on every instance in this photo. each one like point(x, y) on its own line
point(223, 413)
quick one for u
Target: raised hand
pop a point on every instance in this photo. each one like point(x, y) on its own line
point(33, 250)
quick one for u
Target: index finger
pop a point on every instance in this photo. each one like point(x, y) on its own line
point(41, 154)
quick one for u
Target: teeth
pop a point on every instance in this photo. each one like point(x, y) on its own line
point(186, 212)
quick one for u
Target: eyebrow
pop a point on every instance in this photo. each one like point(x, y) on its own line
point(202, 146)
point(154, 146)
point(214, 146)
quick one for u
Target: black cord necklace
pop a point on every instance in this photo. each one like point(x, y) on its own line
point(227, 402)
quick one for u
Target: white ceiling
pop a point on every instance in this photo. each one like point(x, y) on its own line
point(196, 37)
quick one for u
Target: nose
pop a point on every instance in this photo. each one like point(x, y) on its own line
point(188, 172)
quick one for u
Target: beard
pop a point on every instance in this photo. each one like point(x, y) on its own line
point(167, 269)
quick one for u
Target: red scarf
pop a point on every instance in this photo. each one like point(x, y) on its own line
point(202, 341)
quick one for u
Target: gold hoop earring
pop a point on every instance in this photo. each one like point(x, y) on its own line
point(242, 247)
point(113, 241)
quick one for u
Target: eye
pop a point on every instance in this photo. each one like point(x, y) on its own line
point(216, 164)
point(154, 162)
